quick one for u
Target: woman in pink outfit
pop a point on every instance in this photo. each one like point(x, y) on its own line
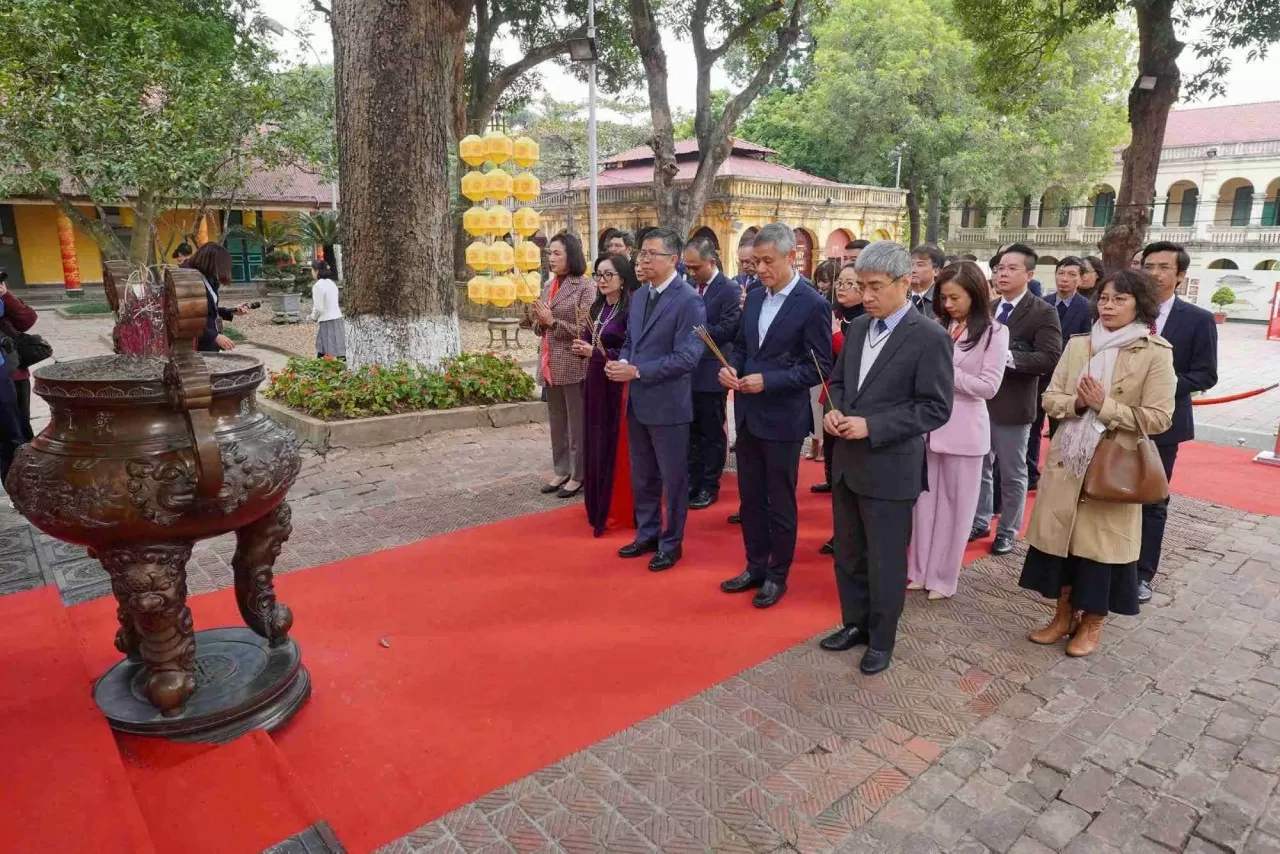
point(955, 450)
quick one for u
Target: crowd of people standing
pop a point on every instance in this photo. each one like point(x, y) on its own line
point(922, 383)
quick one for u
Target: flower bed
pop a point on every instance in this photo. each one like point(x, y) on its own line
point(328, 390)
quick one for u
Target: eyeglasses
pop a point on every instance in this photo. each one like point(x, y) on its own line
point(646, 254)
point(846, 286)
point(1114, 299)
point(606, 277)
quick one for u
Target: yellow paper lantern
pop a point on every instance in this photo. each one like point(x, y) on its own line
point(497, 184)
point(525, 152)
point(526, 187)
point(497, 147)
point(526, 221)
point(473, 221)
point(478, 256)
point(471, 150)
point(528, 287)
point(502, 291)
point(527, 255)
point(500, 256)
point(497, 221)
point(474, 185)
point(476, 291)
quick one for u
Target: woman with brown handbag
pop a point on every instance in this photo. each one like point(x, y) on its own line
point(1112, 388)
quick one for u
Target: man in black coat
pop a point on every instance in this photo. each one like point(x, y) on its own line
point(707, 440)
point(927, 262)
point(1194, 336)
point(891, 386)
point(1075, 317)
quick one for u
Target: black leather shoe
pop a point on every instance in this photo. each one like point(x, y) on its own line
point(638, 548)
point(846, 638)
point(702, 500)
point(875, 661)
point(820, 487)
point(548, 488)
point(741, 583)
point(1003, 545)
point(977, 532)
point(569, 493)
point(1144, 591)
point(769, 594)
point(665, 560)
point(829, 547)
point(735, 519)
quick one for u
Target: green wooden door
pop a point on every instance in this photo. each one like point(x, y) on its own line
point(246, 255)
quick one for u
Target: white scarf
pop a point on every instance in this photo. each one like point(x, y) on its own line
point(1079, 437)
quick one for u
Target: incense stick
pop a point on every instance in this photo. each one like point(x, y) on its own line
point(701, 332)
point(827, 406)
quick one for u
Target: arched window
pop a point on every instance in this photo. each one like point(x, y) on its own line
point(1104, 208)
point(1187, 215)
point(1242, 205)
point(1224, 264)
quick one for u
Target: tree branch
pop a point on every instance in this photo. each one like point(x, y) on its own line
point(744, 28)
point(483, 107)
point(323, 10)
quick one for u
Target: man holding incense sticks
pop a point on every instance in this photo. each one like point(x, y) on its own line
point(782, 350)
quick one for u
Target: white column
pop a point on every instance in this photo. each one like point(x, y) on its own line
point(1259, 199)
point(1034, 220)
point(1206, 212)
point(1075, 222)
point(953, 223)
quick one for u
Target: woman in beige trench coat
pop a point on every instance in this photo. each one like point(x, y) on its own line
point(1117, 381)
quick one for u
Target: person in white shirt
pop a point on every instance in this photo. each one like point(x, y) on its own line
point(331, 338)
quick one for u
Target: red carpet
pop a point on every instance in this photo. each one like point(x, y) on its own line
point(507, 647)
point(1227, 476)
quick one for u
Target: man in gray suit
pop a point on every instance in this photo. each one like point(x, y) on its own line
point(658, 359)
point(892, 385)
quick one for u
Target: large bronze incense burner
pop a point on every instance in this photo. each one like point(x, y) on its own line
point(143, 456)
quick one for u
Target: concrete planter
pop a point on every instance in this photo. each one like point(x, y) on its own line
point(389, 429)
point(287, 308)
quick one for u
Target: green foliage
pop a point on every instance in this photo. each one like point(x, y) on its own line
point(1223, 297)
point(87, 308)
point(234, 334)
point(890, 73)
point(684, 121)
point(270, 234)
point(328, 389)
point(321, 228)
point(560, 127)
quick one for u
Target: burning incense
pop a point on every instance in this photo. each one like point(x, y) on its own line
point(827, 405)
point(701, 332)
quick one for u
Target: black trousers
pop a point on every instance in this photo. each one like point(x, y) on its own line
point(708, 442)
point(828, 451)
point(871, 561)
point(767, 474)
point(1033, 440)
point(1153, 519)
point(23, 390)
point(11, 436)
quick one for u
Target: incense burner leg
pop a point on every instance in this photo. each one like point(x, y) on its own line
point(257, 547)
point(150, 585)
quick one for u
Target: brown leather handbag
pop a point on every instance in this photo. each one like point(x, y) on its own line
point(1124, 476)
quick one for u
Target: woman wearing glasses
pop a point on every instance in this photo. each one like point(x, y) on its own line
point(606, 468)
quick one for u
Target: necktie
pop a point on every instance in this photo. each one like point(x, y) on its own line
point(881, 328)
point(919, 301)
point(653, 300)
point(702, 289)
point(1153, 329)
point(1062, 312)
point(1005, 310)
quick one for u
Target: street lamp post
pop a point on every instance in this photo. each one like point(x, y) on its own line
point(585, 50)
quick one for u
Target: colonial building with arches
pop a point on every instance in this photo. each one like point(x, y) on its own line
point(1216, 194)
point(749, 192)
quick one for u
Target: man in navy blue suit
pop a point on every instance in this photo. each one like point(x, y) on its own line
point(658, 358)
point(1191, 331)
point(1075, 317)
point(707, 439)
point(783, 340)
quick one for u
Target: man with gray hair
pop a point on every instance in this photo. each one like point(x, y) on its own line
point(891, 386)
point(783, 341)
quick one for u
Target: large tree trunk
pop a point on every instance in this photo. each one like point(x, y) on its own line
point(144, 217)
point(394, 67)
point(913, 213)
point(934, 222)
point(1158, 50)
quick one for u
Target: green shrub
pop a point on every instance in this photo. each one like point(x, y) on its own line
point(87, 308)
point(1223, 297)
point(234, 334)
point(328, 389)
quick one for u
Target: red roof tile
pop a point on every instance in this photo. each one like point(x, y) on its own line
point(683, 147)
point(1238, 123)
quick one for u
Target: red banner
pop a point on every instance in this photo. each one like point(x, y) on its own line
point(1273, 325)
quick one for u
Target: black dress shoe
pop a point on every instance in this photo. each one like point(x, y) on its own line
point(1003, 545)
point(769, 594)
point(977, 532)
point(638, 548)
point(742, 582)
point(846, 638)
point(875, 661)
point(828, 548)
point(820, 487)
point(569, 493)
point(735, 519)
point(1144, 591)
point(665, 560)
point(702, 500)
point(548, 488)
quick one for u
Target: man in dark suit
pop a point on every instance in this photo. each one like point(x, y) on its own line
point(783, 340)
point(1191, 331)
point(892, 384)
point(1035, 343)
point(927, 261)
point(707, 440)
point(1074, 318)
point(658, 358)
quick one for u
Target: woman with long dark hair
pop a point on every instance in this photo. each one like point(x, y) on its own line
point(954, 452)
point(1091, 274)
point(607, 487)
point(213, 261)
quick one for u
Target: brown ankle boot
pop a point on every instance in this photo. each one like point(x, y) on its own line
point(1060, 626)
point(1087, 638)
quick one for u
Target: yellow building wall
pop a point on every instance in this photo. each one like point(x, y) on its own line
point(37, 228)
